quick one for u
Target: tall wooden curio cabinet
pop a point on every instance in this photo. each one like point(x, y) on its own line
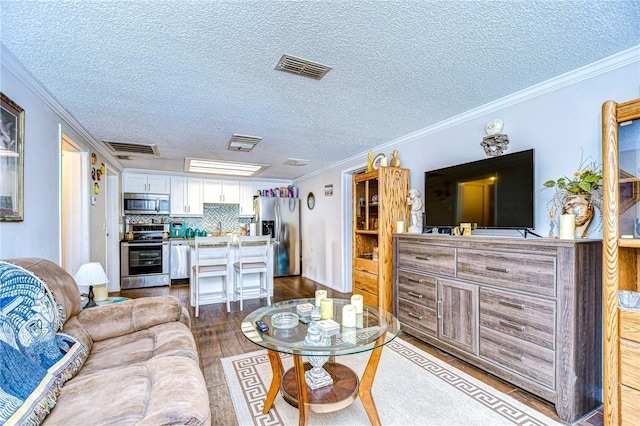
point(621, 236)
point(379, 202)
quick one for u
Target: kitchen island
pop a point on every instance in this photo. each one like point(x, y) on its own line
point(211, 287)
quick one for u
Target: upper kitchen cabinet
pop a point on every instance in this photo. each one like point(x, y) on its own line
point(142, 183)
point(221, 192)
point(186, 196)
point(246, 199)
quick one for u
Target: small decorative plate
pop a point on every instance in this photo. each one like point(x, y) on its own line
point(311, 201)
point(377, 160)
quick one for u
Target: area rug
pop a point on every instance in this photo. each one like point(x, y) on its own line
point(411, 387)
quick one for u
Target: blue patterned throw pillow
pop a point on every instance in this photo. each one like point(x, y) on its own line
point(36, 358)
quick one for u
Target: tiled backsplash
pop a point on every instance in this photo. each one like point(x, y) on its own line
point(226, 214)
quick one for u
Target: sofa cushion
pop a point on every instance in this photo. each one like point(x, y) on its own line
point(31, 343)
point(160, 391)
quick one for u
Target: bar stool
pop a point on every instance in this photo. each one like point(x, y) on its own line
point(211, 260)
point(253, 252)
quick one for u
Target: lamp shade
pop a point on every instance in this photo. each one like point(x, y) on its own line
point(91, 274)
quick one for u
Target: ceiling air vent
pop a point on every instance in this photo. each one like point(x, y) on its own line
point(302, 67)
point(296, 162)
point(242, 143)
point(132, 148)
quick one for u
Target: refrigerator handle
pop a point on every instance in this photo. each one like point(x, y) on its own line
point(276, 225)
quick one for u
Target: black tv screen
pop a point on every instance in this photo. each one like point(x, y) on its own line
point(493, 193)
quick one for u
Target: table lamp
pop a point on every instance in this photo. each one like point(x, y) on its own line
point(91, 274)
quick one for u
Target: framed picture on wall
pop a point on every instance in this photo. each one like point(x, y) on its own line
point(11, 160)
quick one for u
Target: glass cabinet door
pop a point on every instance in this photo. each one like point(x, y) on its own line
point(629, 179)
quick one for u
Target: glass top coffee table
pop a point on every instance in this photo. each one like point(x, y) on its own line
point(322, 384)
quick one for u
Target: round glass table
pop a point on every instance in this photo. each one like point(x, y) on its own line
point(322, 384)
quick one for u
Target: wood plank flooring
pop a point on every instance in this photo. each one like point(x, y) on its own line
point(218, 335)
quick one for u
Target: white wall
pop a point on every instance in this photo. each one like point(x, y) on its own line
point(558, 118)
point(40, 233)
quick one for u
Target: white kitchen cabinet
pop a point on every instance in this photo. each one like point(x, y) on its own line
point(186, 196)
point(143, 183)
point(221, 191)
point(246, 199)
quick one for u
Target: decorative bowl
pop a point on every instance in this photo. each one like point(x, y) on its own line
point(629, 299)
point(284, 320)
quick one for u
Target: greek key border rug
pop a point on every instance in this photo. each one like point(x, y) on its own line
point(410, 388)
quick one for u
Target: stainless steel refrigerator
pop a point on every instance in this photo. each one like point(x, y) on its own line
point(280, 218)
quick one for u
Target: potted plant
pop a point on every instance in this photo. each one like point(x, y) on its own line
point(579, 194)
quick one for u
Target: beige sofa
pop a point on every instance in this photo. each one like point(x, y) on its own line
point(137, 363)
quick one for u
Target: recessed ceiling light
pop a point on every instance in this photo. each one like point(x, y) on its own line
point(227, 168)
point(243, 143)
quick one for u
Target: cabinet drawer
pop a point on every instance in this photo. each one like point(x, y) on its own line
point(528, 360)
point(629, 406)
point(520, 316)
point(367, 297)
point(530, 273)
point(629, 360)
point(366, 265)
point(423, 257)
point(366, 282)
point(417, 288)
point(417, 316)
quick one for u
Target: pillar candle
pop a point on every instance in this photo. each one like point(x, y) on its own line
point(326, 308)
point(400, 226)
point(568, 226)
point(356, 300)
point(100, 293)
point(320, 294)
point(349, 316)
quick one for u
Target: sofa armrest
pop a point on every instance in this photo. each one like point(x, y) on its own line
point(117, 319)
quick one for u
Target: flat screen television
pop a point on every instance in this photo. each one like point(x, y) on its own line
point(496, 192)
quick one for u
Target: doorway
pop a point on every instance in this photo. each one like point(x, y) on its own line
point(75, 211)
point(347, 225)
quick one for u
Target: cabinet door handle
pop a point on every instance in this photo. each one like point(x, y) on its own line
point(512, 355)
point(511, 304)
point(413, 280)
point(495, 269)
point(512, 325)
point(419, 296)
point(418, 317)
point(438, 304)
point(423, 258)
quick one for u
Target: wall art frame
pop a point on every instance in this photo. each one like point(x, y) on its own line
point(11, 160)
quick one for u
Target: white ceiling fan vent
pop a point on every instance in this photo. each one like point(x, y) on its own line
point(243, 143)
point(302, 67)
point(132, 148)
point(296, 162)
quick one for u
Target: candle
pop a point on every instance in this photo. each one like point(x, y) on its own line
point(568, 226)
point(400, 226)
point(349, 316)
point(100, 294)
point(356, 300)
point(320, 294)
point(326, 308)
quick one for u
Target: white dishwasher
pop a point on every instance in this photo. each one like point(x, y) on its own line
point(180, 261)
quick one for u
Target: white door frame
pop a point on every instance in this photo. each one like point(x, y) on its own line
point(347, 225)
point(112, 237)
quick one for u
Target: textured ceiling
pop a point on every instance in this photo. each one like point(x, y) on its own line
point(186, 75)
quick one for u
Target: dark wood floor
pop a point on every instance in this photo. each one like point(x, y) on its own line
point(218, 335)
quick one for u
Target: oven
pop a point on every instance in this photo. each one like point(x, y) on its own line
point(144, 258)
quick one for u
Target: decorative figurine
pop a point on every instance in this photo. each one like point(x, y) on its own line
point(417, 208)
point(395, 161)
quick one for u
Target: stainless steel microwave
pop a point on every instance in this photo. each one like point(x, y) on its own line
point(135, 203)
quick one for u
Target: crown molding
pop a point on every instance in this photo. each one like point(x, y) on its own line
point(603, 66)
point(15, 67)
